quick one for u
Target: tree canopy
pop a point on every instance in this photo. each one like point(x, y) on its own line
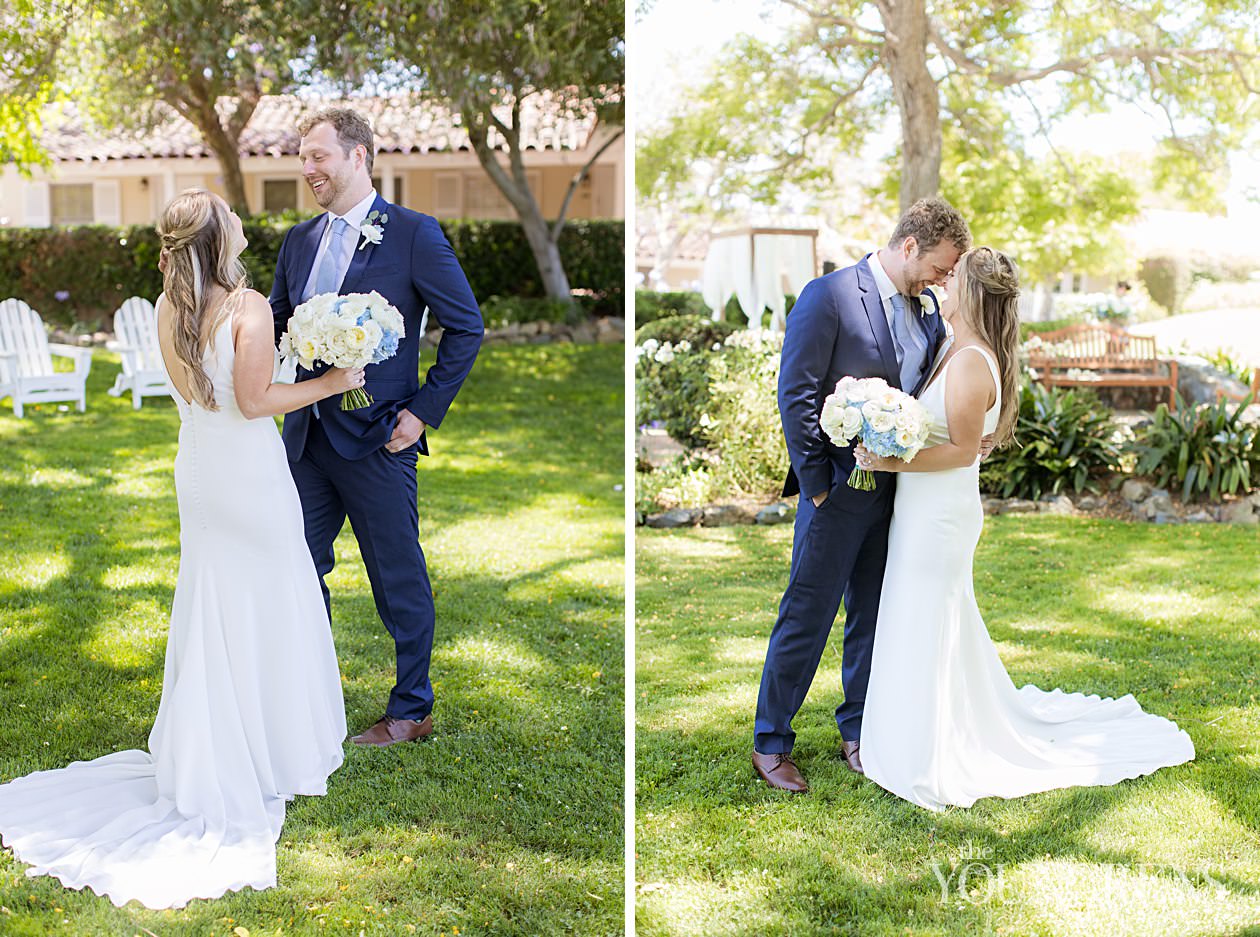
point(961, 99)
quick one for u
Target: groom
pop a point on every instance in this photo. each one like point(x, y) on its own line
point(873, 319)
point(361, 464)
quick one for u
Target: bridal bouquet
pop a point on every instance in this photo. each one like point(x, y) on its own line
point(889, 422)
point(350, 331)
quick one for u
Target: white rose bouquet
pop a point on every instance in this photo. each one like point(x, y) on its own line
point(350, 331)
point(889, 422)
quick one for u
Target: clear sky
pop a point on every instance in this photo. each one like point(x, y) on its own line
point(678, 39)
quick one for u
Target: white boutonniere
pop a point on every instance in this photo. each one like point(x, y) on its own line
point(929, 302)
point(373, 229)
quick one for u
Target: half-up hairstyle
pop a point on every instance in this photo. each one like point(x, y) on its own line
point(197, 253)
point(988, 285)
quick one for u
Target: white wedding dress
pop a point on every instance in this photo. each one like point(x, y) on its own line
point(943, 724)
point(251, 710)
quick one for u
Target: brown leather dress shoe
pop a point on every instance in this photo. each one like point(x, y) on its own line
point(849, 751)
point(779, 771)
point(389, 730)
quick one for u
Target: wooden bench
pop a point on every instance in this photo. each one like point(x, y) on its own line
point(1111, 357)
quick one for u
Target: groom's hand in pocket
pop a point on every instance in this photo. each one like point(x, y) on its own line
point(820, 498)
point(408, 431)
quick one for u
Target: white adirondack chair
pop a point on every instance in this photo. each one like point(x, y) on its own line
point(26, 368)
point(135, 325)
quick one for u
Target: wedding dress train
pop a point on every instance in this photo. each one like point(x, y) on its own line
point(943, 722)
point(251, 711)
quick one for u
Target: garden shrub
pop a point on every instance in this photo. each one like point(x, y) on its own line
point(742, 423)
point(1064, 439)
point(650, 305)
point(684, 482)
point(1208, 450)
point(498, 311)
point(1167, 279)
point(672, 387)
point(700, 331)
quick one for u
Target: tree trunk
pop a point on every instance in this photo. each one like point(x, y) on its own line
point(224, 142)
point(547, 255)
point(515, 188)
point(918, 100)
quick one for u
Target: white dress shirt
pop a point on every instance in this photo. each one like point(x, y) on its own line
point(349, 243)
point(886, 289)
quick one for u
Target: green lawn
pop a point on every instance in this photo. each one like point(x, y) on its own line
point(510, 820)
point(1171, 614)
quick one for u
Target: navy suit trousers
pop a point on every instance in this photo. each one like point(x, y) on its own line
point(838, 554)
point(378, 494)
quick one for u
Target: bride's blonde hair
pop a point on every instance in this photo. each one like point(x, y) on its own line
point(988, 293)
point(198, 252)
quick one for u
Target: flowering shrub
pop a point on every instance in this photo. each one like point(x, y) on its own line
point(742, 420)
point(718, 400)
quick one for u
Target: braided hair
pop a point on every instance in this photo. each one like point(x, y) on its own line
point(198, 251)
point(988, 285)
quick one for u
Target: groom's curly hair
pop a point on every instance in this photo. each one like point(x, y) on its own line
point(351, 126)
point(930, 221)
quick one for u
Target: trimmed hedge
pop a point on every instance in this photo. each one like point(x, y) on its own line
point(650, 305)
point(82, 274)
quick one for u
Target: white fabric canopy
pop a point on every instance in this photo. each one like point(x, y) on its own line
point(757, 269)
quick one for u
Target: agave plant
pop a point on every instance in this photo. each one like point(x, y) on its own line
point(1208, 450)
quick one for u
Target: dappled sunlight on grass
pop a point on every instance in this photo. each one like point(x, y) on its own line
point(1185, 828)
point(705, 907)
point(33, 570)
point(488, 653)
point(509, 820)
point(145, 573)
point(155, 482)
point(59, 479)
point(849, 851)
point(1067, 898)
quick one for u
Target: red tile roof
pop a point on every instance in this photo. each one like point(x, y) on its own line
point(400, 125)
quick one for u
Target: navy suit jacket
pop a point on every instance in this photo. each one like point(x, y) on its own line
point(837, 328)
point(413, 267)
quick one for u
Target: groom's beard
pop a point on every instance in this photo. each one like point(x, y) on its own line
point(330, 191)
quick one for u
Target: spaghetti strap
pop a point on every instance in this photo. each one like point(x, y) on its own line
point(993, 370)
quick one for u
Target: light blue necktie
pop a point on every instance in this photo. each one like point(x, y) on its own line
point(911, 342)
point(328, 280)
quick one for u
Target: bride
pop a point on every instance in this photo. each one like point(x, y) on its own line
point(251, 711)
point(944, 724)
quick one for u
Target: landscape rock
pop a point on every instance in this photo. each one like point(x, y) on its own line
point(1060, 505)
point(774, 514)
point(1240, 512)
point(1200, 382)
point(726, 515)
point(1134, 490)
point(1158, 502)
point(1019, 506)
point(584, 332)
point(678, 517)
point(1088, 503)
point(1200, 517)
point(991, 505)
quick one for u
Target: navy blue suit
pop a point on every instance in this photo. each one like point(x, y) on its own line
point(339, 461)
point(837, 328)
